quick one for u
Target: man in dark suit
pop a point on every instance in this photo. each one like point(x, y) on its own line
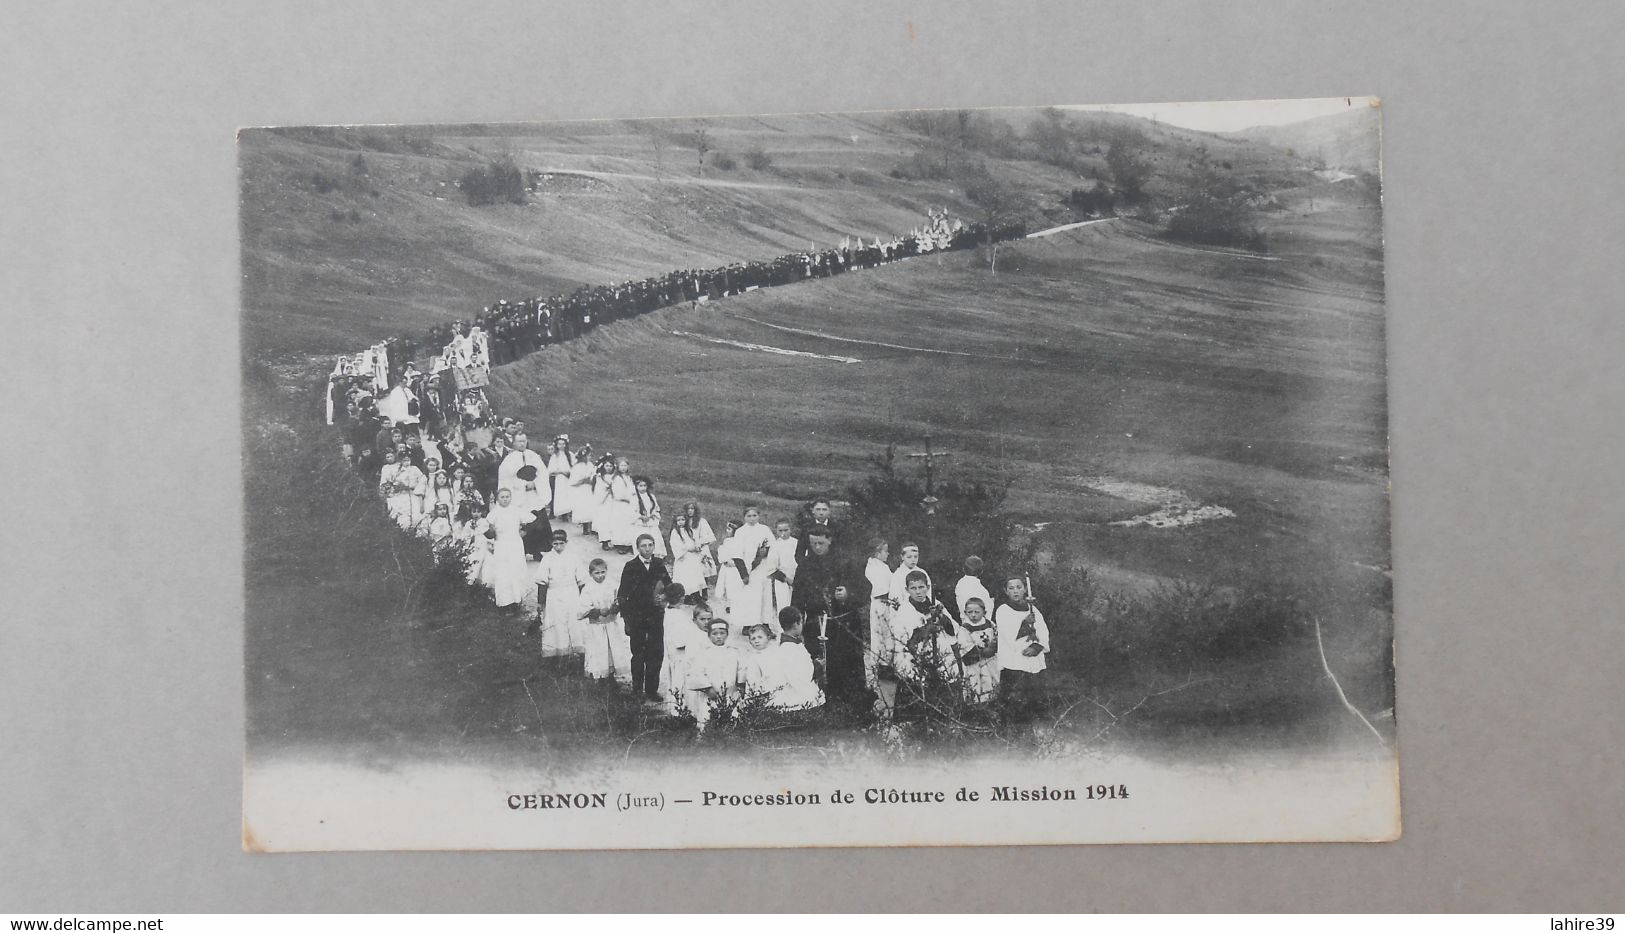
point(644, 614)
point(816, 518)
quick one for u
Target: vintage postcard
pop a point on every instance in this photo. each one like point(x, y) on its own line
point(967, 477)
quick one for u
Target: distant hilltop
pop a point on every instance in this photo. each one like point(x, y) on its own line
point(1347, 140)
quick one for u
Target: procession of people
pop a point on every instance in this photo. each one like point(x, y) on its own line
point(789, 613)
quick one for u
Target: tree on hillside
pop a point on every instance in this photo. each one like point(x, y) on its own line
point(997, 203)
point(1051, 136)
point(501, 180)
point(700, 139)
point(1130, 166)
point(1217, 211)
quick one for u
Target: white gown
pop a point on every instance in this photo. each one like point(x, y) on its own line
point(584, 495)
point(622, 510)
point(561, 628)
point(509, 573)
point(687, 566)
point(402, 485)
point(558, 479)
point(781, 558)
point(645, 520)
point(747, 601)
point(570, 491)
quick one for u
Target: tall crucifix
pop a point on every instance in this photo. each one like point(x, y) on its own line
point(930, 459)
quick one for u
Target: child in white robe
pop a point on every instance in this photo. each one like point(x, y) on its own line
point(1023, 640)
point(970, 586)
point(559, 463)
point(978, 652)
point(920, 629)
point(678, 634)
point(608, 650)
point(623, 508)
point(604, 511)
point(509, 572)
point(687, 561)
point(645, 514)
point(780, 566)
point(582, 494)
point(910, 562)
point(753, 674)
point(396, 484)
point(559, 578)
point(436, 527)
point(714, 669)
point(477, 547)
point(880, 648)
point(744, 574)
point(786, 669)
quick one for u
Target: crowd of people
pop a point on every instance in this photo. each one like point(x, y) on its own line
point(509, 330)
point(792, 614)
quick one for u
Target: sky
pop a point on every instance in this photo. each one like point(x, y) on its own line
point(1229, 115)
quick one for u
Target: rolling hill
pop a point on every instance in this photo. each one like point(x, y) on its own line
point(352, 234)
point(1348, 140)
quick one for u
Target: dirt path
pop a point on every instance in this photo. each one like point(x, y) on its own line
point(873, 343)
point(676, 179)
point(1065, 227)
point(764, 348)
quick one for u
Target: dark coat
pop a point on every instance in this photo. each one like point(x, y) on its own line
point(803, 549)
point(639, 606)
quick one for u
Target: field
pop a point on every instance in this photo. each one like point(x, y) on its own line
point(1099, 372)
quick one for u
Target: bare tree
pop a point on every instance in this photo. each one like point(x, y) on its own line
point(701, 140)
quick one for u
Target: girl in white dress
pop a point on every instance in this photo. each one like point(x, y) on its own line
point(608, 650)
point(780, 566)
point(604, 512)
point(510, 575)
point(440, 493)
point(580, 494)
point(742, 578)
point(398, 482)
point(559, 464)
point(646, 515)
point(559, 574)
point(464, 492)
point(623, 496)
point(687, 566)
point(436, 527)
point(707, 540)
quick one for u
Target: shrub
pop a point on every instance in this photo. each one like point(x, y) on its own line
point(724, 161)
point(758, 159)
point(501, 180)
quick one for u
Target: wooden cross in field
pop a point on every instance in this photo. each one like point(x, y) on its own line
point(930, 459)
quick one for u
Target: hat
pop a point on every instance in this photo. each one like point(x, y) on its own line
point(526, 472)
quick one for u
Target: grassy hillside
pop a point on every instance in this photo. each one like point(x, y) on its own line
point(1256, 385)
point(1347, 140)
point(352, 234)
point(1098, 361)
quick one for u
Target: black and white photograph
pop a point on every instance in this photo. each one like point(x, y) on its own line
point(933, 477)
